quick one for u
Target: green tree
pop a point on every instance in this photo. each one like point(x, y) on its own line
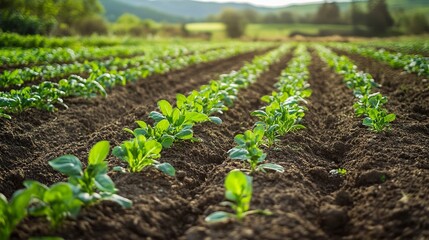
point(234, 21)
point(328, 13)
point(379, 18)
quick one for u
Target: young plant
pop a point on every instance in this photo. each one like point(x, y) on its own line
point(13, 212)
point(159, 132)
point(56, 203)
point(378, 119)
point(93, 183)
point(248, 150)
point(140, 153)
point(180, 121)
point(238, 192)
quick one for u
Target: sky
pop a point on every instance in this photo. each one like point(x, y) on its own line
point(268, 3)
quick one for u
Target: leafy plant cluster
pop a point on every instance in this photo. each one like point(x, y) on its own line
point(45, 95)
point(282, 114)
point(368, 104)
point(64, 199)
point(175, 123)
point(17, 56)
point(411, 63)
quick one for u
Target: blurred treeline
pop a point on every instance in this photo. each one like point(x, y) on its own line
point(56, 17)
point(368, 19)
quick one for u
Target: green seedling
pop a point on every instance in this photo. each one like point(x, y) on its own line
point(249, 150)
point(13, 212)
point(140, 153)
point(56, 203)
point(93, 183)
point(238, 192)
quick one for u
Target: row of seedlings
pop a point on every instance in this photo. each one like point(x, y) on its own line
point(46, 95)
point(282, 114)
point(410, 63)
point(369, 104)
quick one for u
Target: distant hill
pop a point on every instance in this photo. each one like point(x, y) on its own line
point(190, 10)
point(115, 8)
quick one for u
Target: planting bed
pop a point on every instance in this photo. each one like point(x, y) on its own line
point(384, 195)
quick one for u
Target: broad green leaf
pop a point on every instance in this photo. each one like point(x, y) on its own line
point(68, 165)
point(238, 153)
point(272, 166)
point(167, 141)
point(119, 152)
point(162, 125)
point(185, 134)
point(104, 183)
point(156, 116)
point(196, 117)
point(166, 168)
point(215, 120)
point(99, 152)
point(238, 184)
point(367, 122)
point(58, 191)
point(181, 100)
point(123, 202)
point(165, 107)
point(390, 117)
point(142, 124)
point(219, 217)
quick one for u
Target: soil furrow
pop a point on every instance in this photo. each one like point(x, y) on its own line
point(34, 137)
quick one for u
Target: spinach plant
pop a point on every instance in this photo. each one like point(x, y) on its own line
point(140, 153)
point(248, 150)
point(238, 192)
point(93, 183)
point(56, 203)
point(13, 212)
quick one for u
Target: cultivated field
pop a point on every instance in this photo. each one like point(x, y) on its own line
point(334, 136)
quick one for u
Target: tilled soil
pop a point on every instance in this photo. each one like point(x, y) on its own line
point(384, 194)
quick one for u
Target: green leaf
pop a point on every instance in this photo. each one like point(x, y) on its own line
point(181, 100)
point(68, 165)
point(367, 122)
point(390, 118)
point(123, 202)
point(238, 153)
point(166, 168)
point(165, 107)
point(162, 125)
point(215, 120)
point(156, 116)
point(98, 152)
point(104, 183)
point(167, 141)
point(238, 184)
point(272, 166)
point(219, 217)
point(119, 152)
point(185, 134)
point(196, 117)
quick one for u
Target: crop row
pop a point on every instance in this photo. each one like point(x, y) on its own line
point(282, 114)
point(92, 185)
point(411, 63)
point(18, 77)
point(45, 95)
point(368, 104)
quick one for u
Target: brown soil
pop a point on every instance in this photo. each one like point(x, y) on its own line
point(384, 195)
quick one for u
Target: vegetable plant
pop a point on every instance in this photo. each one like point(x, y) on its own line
point(248, 150)
point(56, 203)
point(13, 212)
point(238, 192)
point(140, 153)
point(91, 184)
